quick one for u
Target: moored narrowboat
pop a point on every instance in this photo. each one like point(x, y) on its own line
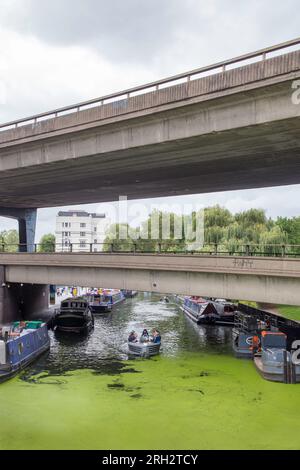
point(21, 344)
point(246, 335)
point(105, 300)
point(226, 311)
point(200, 310)
point(274, 362)
point(129, 294)
point(74, 316)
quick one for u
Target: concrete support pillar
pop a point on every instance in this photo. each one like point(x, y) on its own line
point(27, 226)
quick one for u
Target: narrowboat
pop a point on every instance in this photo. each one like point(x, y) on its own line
point(74, 316)
point(246, 327)
point(274, 362)
point(226, 311)
point(104, 301)
point(21, 344)
point(200, 310)
point(129, 294)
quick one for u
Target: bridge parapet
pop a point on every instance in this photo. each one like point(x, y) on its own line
point(153, 96)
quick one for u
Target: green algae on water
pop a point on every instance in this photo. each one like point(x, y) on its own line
point(187, 402)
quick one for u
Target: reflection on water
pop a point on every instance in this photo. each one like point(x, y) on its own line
point(105, 349)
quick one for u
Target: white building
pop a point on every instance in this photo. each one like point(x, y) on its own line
point(79, 231)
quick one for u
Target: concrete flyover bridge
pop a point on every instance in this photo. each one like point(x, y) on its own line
point(230, 125)
point(263, 279)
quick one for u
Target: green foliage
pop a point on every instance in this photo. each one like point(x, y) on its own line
point(291, 227)
point(9, 240)
point(47, 243)
point(251, 217)
point(217, 216)
point(246, 232)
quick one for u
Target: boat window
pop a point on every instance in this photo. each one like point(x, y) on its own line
point(20, 348)
point(274, 341)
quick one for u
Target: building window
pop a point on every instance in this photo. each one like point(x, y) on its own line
point(95, 229)
point(82, 234)
point(96, 241)
point(82, 244)
point(82, 225)
point(67, 234)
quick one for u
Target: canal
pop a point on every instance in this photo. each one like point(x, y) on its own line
point(87, 394)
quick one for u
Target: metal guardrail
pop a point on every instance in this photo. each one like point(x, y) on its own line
point(158, 247)
point(186, 76)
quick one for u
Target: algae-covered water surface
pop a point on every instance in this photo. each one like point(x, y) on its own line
point(87, 394)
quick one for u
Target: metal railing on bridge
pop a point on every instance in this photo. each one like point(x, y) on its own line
point(223, 66)
point(158, 247)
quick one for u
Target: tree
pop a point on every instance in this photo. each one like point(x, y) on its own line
point(291, 227)
point(47, 243)
point(217, 216)
point(9, 240)
point(252, 217)
point(273, 240)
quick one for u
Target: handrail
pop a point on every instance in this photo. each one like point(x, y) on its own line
point(156, 84)
point(161, 247)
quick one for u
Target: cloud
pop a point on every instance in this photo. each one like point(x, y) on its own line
point(36, 77)
point(156, 32)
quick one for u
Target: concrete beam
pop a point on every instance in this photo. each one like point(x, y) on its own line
point(269, 280)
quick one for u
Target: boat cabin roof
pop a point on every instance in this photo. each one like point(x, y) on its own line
point(77, 302)
point(273, 333)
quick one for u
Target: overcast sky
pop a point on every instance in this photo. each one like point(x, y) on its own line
point(54, 53)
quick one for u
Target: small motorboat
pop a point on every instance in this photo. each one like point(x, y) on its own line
point(21, 344)
point(144, 349)
point(275, 362)
point(74, 316)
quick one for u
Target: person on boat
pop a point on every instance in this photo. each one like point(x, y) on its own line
point(156, 338)
point(18, 329)
point(145, 337)
point(132, 338)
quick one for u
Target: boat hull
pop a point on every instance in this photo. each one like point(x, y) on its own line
point(202, 320)
point(144, 349)
point(273, 374)
point(241, 344)
point(75, 329)
point(37, 343)
point(100, 309)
